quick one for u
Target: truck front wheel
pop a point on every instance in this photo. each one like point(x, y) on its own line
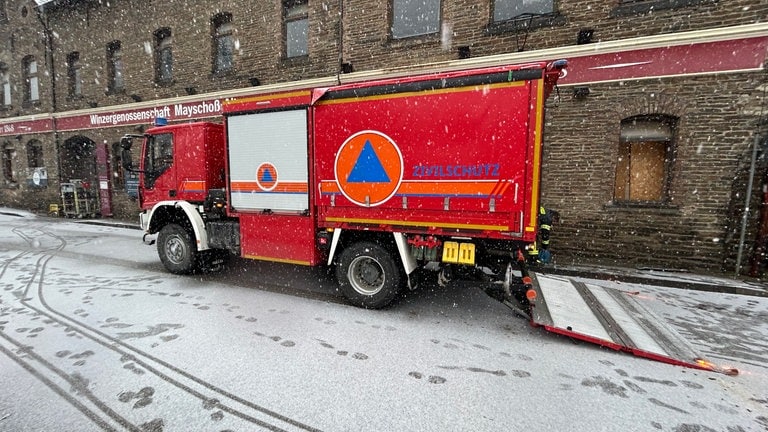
point(368, 275)
point(176, 249)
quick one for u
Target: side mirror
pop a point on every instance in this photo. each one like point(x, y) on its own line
point(125, 157)
point(126, 142)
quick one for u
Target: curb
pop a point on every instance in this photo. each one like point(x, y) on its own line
point(627, 278)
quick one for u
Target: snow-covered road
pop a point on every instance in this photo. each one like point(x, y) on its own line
point(95, 335)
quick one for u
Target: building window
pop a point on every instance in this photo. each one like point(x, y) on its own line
point(163, 56)
point(31, 80)
point(74, 79)
point(415, 18)
point(116, 165)
point(7, 162)
point(115, 68)
point(639, 7)
point(35, 154)
point(5, 87)
point(504, 10)
point(223, 43)
point(645, 158)
point(296, 17)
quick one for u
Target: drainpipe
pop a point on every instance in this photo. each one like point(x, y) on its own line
point(51, 65)
point(747, 200)
point(341, 41)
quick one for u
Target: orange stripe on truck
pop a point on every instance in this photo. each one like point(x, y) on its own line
point(284, 187)
point(438, 187)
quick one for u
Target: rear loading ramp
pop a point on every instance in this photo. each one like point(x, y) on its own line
point(611, 318)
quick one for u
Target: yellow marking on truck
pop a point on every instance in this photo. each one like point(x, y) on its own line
point(451, 252)
point(467, 253)
point(537, 156)
point(459, 253)
point(280, 260)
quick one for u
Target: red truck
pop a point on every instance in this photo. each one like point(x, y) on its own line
point(377, 178)
point(386, 181)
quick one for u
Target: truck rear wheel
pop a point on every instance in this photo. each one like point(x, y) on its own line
point(368, 275)
point(176, 249)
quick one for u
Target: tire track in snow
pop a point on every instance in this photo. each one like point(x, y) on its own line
point(201, 396)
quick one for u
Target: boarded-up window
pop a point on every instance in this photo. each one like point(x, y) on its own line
point(644, 158)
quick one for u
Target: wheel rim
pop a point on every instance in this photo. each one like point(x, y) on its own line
point(175, 249)
point(366, 275)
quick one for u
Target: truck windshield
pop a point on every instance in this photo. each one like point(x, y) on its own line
point(158, 157)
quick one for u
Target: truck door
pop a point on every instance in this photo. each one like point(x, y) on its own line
point(269, 185)
point(158, 174)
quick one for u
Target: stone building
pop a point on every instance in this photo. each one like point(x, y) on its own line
point(652, 142)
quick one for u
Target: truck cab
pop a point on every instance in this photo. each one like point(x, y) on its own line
point(181, 163)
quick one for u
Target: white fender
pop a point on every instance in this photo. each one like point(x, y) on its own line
point(198, 226)
point(409, 263)
point(334, 243)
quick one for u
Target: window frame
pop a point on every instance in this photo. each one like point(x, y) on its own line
point(35, 154)
point(163, 47)
point(6, 163)
point(116, 166)
point(6, 100)
point(640, 7)
point(115, 67)
point(222, 36)
point(158, 157)
point(522, 15)
point(295, 12)
point(428, 31)
point(74, 77)
point(31, 80)
point(522, 24)
point(3, 12)
point(666, 127)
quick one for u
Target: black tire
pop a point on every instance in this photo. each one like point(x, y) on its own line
point(177, 249)
point(368, 275)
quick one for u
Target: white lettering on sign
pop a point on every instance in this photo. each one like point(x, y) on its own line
point(204, 107)
point(114, 119)
point(9, 128)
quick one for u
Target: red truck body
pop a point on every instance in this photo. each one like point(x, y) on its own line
point(439, 167)
point(460, 159)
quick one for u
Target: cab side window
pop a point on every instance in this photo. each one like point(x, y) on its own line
point(159, 157)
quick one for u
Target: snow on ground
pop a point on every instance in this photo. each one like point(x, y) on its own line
point(102, 312)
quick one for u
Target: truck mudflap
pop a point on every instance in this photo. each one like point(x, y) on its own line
point(611, 318)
